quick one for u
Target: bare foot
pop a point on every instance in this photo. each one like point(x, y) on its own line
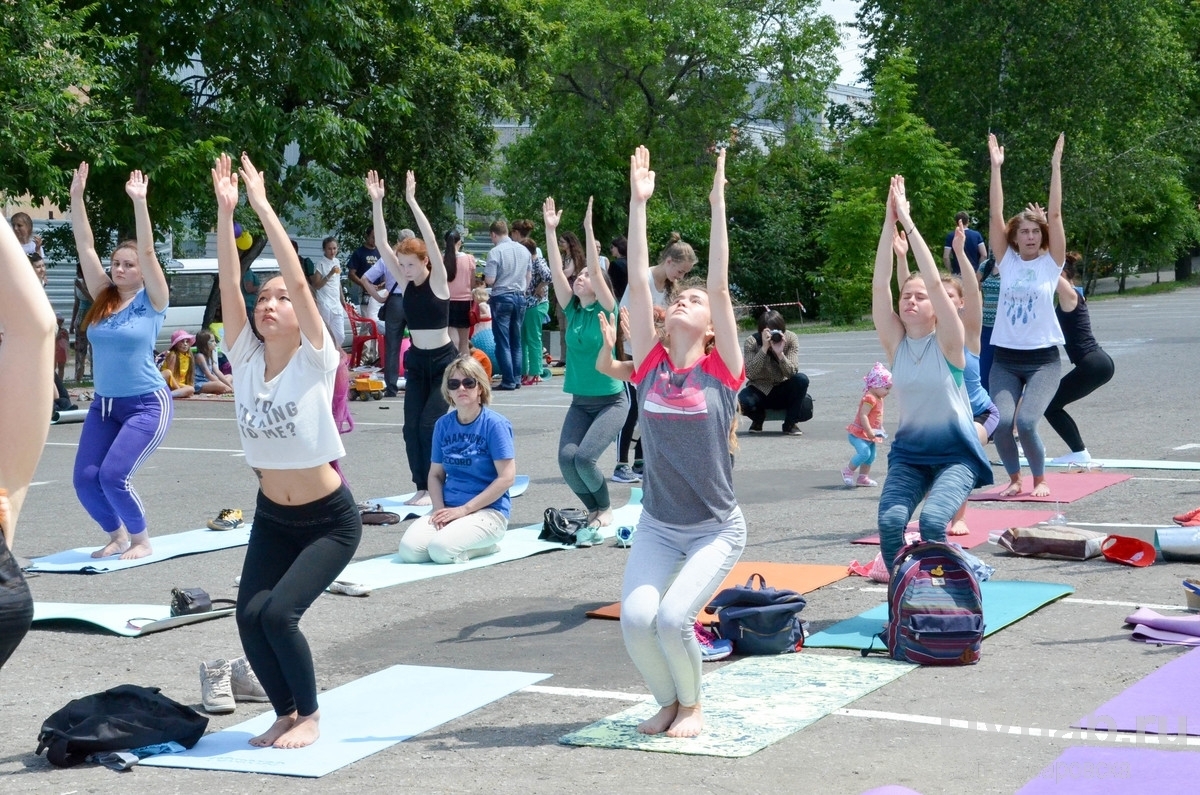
point(278, 729)
point(304, 731)
point(117, 545)
point(1012, 490)
point(602, 518)
point(688, 722)
point(1040, 487)
point(661, 721)
point(139, 546)
point(958, 528)
point(420, 498)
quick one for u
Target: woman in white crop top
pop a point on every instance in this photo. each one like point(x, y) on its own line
point(306, 523)
point(1031, 248)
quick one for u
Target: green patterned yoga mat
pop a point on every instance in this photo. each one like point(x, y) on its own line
point(753, 703)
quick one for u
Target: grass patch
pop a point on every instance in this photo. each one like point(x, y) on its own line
point(1148, 289)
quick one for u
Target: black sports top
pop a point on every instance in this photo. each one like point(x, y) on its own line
point(423, 310)
point(1077, 331)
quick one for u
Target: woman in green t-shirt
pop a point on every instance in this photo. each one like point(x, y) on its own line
point(598, 402)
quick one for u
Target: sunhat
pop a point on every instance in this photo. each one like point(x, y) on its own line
point(181, 335)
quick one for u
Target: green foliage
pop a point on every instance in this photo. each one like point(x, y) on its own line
point(672, 75)
point(893, 140)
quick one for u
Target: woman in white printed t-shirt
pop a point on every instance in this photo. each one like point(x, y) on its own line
point(327, 284)
point(306, 524)
point(1031, 248)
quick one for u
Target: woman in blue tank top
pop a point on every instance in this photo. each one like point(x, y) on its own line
point(132, 411)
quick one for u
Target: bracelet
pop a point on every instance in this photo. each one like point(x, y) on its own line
point(910, 230)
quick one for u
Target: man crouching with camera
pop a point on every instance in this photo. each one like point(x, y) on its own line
point(773, 377)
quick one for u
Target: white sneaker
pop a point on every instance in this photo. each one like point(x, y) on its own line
point(216, 690)
point(246, 686)
point(1082, 457)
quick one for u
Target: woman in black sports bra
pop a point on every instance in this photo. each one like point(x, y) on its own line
point(426, 289)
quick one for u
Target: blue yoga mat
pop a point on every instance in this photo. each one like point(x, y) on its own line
point(357, 719)
point(130, 620)
point(1004, 602)
point(521, 542)
point(80, 560)
point(396, 504)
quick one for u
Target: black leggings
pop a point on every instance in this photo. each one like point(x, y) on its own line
point(1091, 372)
point(295, 552)
point(424, 405)
point(16, 604)
point(626, 436)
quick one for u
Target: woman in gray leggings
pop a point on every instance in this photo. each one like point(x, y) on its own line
point(598, 402)
point(1026, 336)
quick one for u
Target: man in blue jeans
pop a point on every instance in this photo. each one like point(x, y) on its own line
point(507, 273)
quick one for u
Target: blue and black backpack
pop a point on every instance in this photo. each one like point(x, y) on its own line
point(935, 608)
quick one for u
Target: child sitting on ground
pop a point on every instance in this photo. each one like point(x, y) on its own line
point(176, 366)
point(208, 377)
point(867, 427)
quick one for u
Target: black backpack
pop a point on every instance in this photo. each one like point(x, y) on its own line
point(119, 719)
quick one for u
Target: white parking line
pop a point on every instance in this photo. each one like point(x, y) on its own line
point(580, 692)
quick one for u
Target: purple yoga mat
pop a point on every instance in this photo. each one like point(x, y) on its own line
point(1165, 702)
point(1097, 770)
point(1152, 627)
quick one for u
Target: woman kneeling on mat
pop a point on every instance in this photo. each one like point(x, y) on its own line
point(936, 455)
point(472, 469)
point(306, 523)
point(692, 530)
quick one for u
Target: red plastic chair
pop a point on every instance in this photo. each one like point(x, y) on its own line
point(365, 329)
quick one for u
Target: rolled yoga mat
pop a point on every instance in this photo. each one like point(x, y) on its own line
point(64, 417)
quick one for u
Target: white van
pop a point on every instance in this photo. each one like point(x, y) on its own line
point(191, 282)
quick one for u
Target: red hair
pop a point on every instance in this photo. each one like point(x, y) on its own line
point(414, 246)
point(109, 299)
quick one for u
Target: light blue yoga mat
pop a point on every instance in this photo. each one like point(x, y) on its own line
point(357, 719)
point(520, 542)
point(396, 504)
point(80, 560)
point(752, 703)
point(1004, 602)
point(1125, 463)
point(129, 620)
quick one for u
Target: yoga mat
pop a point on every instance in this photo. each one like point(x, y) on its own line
point(799, 577)
point(80, 560)
point(1004, 602)
point(1153, 627)
point(396, 504)
point(982, 522)
point(357, 719)
point(388, 570)
point(1064, 487)
point(63, 417)
point(752, 703)
point(1100, 770)
point(1128, 463)
point(132, 621)
point(1163, 702)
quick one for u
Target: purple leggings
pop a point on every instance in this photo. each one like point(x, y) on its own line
point(118, 436)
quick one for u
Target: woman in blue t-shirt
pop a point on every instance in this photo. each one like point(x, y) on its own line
point(26, 393)
point(472, 469)
point(132, 411)
point(598, 401)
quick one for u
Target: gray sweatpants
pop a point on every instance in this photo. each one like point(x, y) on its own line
point(591, 425)
point(1033, 386)
point(671, 573)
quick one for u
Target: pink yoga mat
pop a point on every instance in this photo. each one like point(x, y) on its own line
point(1164, 702)
point(1097, 770)
point(982, 521)
point(1064, 487)
point(1152, 627)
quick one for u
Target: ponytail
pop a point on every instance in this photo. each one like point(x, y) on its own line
point(450, 255)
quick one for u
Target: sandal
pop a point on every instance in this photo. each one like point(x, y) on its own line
point(349, 588)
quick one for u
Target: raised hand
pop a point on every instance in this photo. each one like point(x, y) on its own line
point(960, 237)
point(641, 178)
point(79, 181)
point(550, 216)
point(410, 187)
point(587, 215)
point(1056, 158)
point(137, 186)
point(375, 187)
point(608, 332)
point(623, 319)
point(900, 243)
point(225, 184)
point(1036, 210)
point(995, 151)
point(252, 179)
point(717, 194)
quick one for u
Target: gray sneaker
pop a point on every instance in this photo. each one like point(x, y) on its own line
point(246, 686)
point(625, 474)
point(216, 692)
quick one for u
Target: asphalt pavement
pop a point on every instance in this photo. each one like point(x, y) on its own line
point(1043, 672)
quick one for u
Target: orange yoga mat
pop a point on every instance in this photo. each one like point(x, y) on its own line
point(799, 577)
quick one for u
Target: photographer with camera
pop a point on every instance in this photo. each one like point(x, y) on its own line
point(773, 377)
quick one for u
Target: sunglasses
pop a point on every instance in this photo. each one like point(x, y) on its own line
point(454, 383)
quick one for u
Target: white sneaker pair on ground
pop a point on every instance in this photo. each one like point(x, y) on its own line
point(224, 683)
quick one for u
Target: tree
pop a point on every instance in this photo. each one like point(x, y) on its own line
point(675, 76)
point(892, 140)
point(1119, 78)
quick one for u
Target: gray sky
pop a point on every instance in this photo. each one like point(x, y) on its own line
point(843, 11)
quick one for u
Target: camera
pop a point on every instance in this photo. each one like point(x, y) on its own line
point(776, 335)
